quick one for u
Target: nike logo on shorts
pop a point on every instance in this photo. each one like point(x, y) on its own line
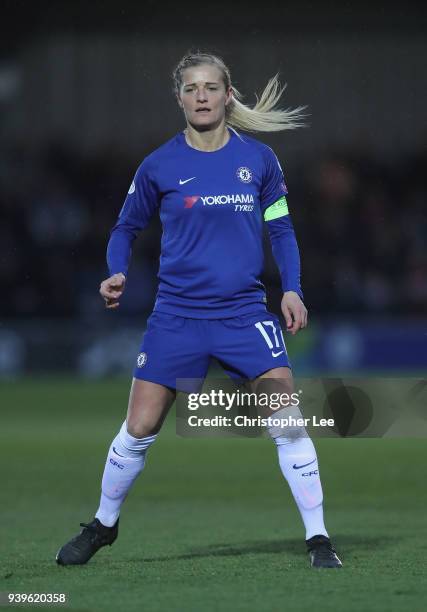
point(277, 354)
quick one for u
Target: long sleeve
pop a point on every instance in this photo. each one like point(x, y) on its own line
point(286, 253)
point(275, 211)
point(140, 205)
point(119, 248)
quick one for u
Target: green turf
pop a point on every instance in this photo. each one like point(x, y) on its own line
point(210, 524)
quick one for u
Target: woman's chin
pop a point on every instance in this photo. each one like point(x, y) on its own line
point(204, 124)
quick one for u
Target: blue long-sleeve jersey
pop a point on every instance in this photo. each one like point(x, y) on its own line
point(212, 206)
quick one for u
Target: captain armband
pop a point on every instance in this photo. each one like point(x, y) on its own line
point(276, 210)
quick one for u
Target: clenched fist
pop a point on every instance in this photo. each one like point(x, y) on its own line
point(112, 288)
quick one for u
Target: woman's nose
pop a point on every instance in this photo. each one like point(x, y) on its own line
point(201, 95)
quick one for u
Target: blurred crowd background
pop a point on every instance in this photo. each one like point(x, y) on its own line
point(85, 94)
point(361, 227)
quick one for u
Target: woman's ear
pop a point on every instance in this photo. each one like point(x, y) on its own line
point(178, 99)
point(229, 96)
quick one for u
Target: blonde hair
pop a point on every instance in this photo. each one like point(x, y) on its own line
point(263, 117)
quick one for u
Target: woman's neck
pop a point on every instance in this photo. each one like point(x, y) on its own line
point(210, 140)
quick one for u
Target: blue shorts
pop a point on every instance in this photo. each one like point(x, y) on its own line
point(175, 347)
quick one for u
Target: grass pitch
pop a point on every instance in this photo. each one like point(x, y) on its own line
point(210, 524)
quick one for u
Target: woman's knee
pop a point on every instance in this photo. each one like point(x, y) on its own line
point(142, 427)
point(149, 404)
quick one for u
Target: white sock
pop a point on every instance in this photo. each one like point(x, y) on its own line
point(298, 462)
point(125, 460)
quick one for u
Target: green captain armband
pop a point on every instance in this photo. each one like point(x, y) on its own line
point(276, 210)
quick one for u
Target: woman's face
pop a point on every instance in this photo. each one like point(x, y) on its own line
point(203, 97)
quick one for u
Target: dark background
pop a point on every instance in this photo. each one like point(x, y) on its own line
point(86, 93)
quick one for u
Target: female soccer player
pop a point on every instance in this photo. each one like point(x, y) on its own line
point(213, 188)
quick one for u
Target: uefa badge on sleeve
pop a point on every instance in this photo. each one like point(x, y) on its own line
point(142, 360)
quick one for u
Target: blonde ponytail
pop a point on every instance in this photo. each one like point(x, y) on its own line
point(263, 117)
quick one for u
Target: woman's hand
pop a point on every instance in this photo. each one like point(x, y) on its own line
point(112, 288)
point(294, 311)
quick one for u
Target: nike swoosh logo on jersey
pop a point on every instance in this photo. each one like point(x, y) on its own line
point(181, 182)
point(298, 467)
point(277, 354)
